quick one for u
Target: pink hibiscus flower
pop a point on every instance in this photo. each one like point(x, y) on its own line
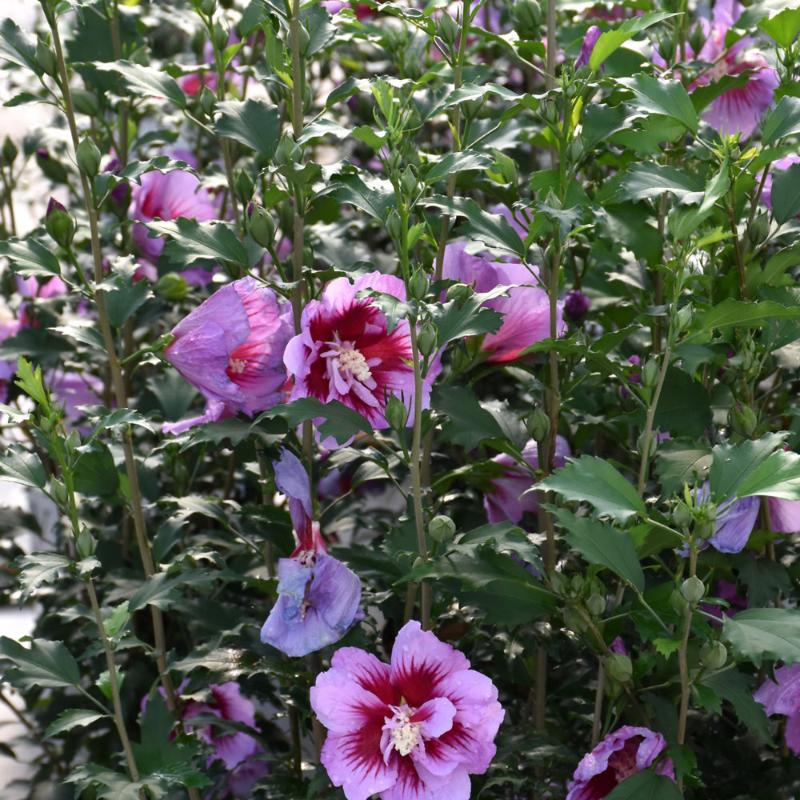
point(414, 729)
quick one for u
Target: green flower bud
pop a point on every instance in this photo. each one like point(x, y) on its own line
point(652, 444)
point(85, 102)
point(426, 338)
point(58, 492)
point(261, 226)
point(560, 583)
point(743, 420)
point(459, 293)
point(88, 158)
point(243, 185)
point(693, 590)
point(619, 667)
point(418, 284)
point(171, 286)
point(575, 150)
point(705, 528)
point(393, 224)
point(441, 528)
point(681, 515)
point(538, 424)
point(220, 37)
point(573, 620)
point(596, 604)
point(208, 7)
point(759, 230)
point(409, 182)
point(713, 655)
point(396, 413)
point(527, 16)
point(650, 373)
point(46, 58)
point(86, 544)
point(576, 585)
point(9, 151)
point(59, 224)
point(208, 101)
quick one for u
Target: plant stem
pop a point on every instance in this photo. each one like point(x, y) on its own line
point(737, 244)
point(683, 661)
point(644, 456)
point(117, 378)
point(7, 190)
point(597, 722)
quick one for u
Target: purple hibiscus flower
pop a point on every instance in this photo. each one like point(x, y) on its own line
point(318, 596)
point(415, 728)
point(231, 349)
point(621, 754)
point(782, 696)
point(506, 499)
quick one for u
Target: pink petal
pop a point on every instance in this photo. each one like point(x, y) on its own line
point(354, 761)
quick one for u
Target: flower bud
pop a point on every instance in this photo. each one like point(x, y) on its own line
point(576, 306)
point(713, 655)
point(208, 101)
point(46, 58)
point(9, 151)
point(527, 15)
point(171, 286)
point(652, 445)
point(560, 583)
point(220, 36)
point(441, 528)
point(575, 150)
point(759, 230)
point(418, 284)
point(538, 424)
point(596, 604)
point(409, 182)
point(650, 373)
point(85, 102)
point(459, 293)
point(573, 620)
point(743, 420)
point(58, 492)
point(619, 667)
point(393, 224)
point(681, 515)
point(426, 338)
point(693, 590)
point(208, 7)
point(396, 413)
point(59, 224)
point(243, 184)
point(261, 225)
point(86, 544)
point(88, 158)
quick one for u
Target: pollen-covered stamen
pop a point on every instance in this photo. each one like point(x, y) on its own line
point(355, 363)
point(346, 358)
point(237, 365)
point(405, 735)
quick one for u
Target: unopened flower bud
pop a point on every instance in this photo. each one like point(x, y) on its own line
point(651, 444)
point(59, 223)
point(596, 604)
point(220, 36)
point(693, 590)
point(208, 101)
point(743, 420)
point(58, 492)
point(683, 318)
point(619, 667)
point(88, 158)
point(576, 306)
point(208, 7)
point(459, 293)
point(441, 528)
point(713, 655)
point(650, 373)
point(396, 413)
point(46, 58)
point(86, 544)
point(538, 424)
point(261, 225)
point(681, 515)
point(527, 15)
point(560, 583)
point(677, 603)
point(9, 151)
point(243, 184)
point(418, 284)
point(426, 339)
point(409, 181)
point(171, 286)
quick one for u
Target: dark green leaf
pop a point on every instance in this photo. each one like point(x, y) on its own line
point(734, 686)
point(734, 463)
point(610, 41)
point(782, 121)
point(46, 664)
point(341, 422)
point(592, 480)
point(650, 181)
point(374, 196)
point(646, 785)
point(783, 27)
point(677, 464)
point(457, 162)
point(777, 476)
point(252, 123)
point(740, 313)
point(467, 424)
point(72, 718)
point(30, 257)
point(195, 241)
point(147, 81)
point(786, 193)
point(764, 580)
point(684, 407)
point(667, 97)
point(759, 634)
point(18, 47)
point(456, 319)
point(602, 544)
point(95, 472)
point(39, 568)
point(21, 466)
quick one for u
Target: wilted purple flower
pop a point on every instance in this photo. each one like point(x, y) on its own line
point(621, 754)
point(734, 525)
point(525, 308)
point(784, 515)
point(318, 596)
point(167, 196)
point(231, 349)
point(782, 696)
point(505, 500)
point(589, 41)
point(414, 730)
point(576, 306)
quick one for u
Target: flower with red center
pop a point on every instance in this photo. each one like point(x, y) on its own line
point(414, 729)
point(166, 196)
point(346, 352)
point(782, 696)
point(231, 348)
point(621, 754)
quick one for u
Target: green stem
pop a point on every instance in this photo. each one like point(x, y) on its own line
point(683, 660)
point(7, 189)
point(647, 439)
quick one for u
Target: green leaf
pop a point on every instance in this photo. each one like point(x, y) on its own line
point(684, 407)
point(456, 319)
point(252, 123)
point(372, 195)
point(650, 181)
point(95, 472)
point(666, 647)
point(777, 476)
point(18, 47)
point(733, 463)
point(30, 381)
point(782, 121)
point(341, 422)
point(457, 162)
point(610, 41)
point(124, 296)
point(193, 241)
point(21, 466)
point(759, 634)
point(592, 480)
point(492, 229)
point(602, 544)
point(786, 193)
point(30, 257)
point(646, 785)
point(147, 81)
point(72, 718)
point(741, 314)
point(667, 97)
point(503, 537)
point(321, 30)
point(158, 590)
point(677, 464)
point(39, 568)
point(734, 686)
point(122, 418)
point(467, 424)
point(46, 664)
point(783, 27)
point(764, 580)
